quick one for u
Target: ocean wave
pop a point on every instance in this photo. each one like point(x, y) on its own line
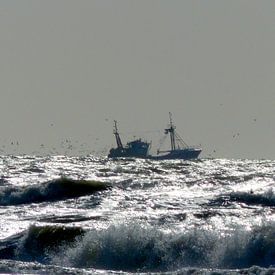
point(250, 198)
point(267, 198)
point(54, 190)
point(67, 218)
point(131, 184)
point(20, 267)
point(136, 248)
point(34, 243)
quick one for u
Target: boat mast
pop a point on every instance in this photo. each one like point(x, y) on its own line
point(118, 140)
point(171, 130)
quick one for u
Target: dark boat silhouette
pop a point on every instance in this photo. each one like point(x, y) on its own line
point(139, 149)
point(179, 149)
point(136, 148)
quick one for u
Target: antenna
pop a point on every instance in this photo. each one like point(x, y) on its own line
point(170, 117)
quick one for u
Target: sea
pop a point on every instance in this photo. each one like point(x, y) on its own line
point(94, 215)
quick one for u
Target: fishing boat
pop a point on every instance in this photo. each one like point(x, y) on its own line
point(136, 148)
point(139, 149)
point(179, 149)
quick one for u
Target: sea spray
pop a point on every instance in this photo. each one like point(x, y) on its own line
point(138, 248)
point(255, 247)
point(133, 247)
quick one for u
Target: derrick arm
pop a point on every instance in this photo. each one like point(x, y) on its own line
point(171, 130)
point(118, 140)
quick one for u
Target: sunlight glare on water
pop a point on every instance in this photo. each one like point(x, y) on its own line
point(158, 212)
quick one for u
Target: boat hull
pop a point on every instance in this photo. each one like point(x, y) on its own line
point(185, 154)
point(125, 153)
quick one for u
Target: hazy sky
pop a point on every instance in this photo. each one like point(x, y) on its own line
point(69, 68)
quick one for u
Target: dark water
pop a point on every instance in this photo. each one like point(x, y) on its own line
point(87, 215)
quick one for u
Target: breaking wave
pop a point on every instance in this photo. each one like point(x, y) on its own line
point(59, 189)
point(266, 199)
point(36, 242)
point(136, 248)
point(250, 198)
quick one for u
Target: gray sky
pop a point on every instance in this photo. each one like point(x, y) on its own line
point(68, 68)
